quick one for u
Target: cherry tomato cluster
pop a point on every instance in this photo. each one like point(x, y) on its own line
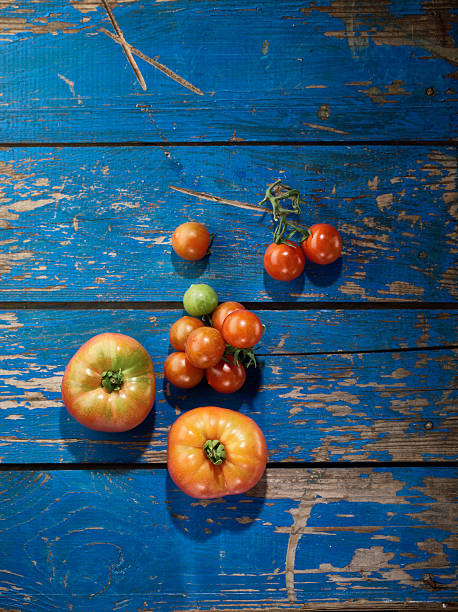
point(284, 259)
point(220, 347)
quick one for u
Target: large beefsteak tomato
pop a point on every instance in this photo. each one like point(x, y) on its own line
point(212, 452)
point(109, 384)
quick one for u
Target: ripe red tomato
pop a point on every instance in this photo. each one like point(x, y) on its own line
point(324, 245)
point(214, 451)
point(204, 347)
point(284, 261)
point(180, 330)
point(109, 384)
point(180, 372)
point(242, 329)
point(191, 240)
point(226, 377)
point(222, 311)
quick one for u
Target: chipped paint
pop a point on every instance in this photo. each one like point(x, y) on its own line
point(384, 201)
point(326, 128)
point(373, 183)
point(431, 29)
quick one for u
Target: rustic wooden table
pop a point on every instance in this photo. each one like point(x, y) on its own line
point(354, 104)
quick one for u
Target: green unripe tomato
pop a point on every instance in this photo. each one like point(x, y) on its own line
point(200, 300)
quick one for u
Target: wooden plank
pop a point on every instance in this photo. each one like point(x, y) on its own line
point(292, 70)
point(96, 224)
point(108, 540)
point(390, 396)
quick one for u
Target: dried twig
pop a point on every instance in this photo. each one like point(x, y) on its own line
point(124, 44)
point(156, 64)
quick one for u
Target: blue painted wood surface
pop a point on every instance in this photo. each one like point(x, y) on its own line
point(102, 540)
point(267, 71)
point(85, 248)
point(330, 386)
point(96, 224)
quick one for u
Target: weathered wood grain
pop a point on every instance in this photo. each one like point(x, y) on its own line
point(96, 224)
point(280, 70)
point(108, 540)
point(331, 386)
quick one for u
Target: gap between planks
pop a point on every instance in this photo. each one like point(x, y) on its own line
point(178, 305)
point(287, 465)
point(441, 142)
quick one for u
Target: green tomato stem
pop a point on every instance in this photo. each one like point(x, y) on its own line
point(111, 380)
point(215, 451)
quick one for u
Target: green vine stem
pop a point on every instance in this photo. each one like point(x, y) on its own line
point(245, 356)
point(285, 229)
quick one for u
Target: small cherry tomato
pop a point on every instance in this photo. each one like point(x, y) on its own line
point(191, 240)
point(204, 347)
point(180, 330)
point(226, 377)
point(180, 372)
point(324, 245)
point(200, 299)
point(222, 311)
point(284, 261)
point(242, 329)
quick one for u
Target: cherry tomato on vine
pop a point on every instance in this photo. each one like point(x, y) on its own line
point(180, 372)
point(226, 377)
point(191, 240)
point(242, 329)
point(222, 311)
point(200, 299)
point(204, 347)
point(180, 330)
point(284, 261)
point(324, 245)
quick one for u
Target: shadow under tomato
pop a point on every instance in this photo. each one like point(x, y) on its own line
point(284, 290)
point(87, 445)
point(323, 276)
point(204, 395)
point(201, 520)
point(189, 269)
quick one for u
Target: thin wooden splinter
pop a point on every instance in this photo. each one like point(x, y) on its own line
point(124, 44)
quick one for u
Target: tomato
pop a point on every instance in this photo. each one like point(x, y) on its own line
point(212, 452)
point(205, 347)
point(199, 300)
point(226, 377)
point(109, 384)
point(180, 372)
point(222, 311)
point(284, 261)
point(191, 240)
point(242, 329)
point(324, 245)
point(180, 330)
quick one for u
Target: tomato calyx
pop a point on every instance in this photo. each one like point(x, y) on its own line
point(112, 380)
point(209, 250)
point(215, 451)
point(245, 356)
